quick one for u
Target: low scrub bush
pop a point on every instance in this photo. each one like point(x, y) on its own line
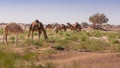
point(59, 47)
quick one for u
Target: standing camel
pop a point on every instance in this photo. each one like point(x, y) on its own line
point(37, 26)
point(12, 28)
point(77, 26)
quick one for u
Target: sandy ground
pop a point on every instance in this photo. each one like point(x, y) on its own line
point(75, 59)
point(86, 60)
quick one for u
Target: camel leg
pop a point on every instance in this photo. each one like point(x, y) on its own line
point(5, 38)
point(16, 39)
point(29, 33)
point(57, 30)
point(39, 33)
point(64, 29)
point(32, 34)
point(44, 32)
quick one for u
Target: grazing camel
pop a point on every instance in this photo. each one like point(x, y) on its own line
point(60, 27)
point(76, 26)
point(37, 26)
point(49, 26)
point(69, 26)
point(12, 28)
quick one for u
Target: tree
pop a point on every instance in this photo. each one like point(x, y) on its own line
point(97, 20)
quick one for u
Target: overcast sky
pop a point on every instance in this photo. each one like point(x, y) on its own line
point(61, 11)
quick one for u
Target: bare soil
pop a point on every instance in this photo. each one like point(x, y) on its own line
point(86, 60)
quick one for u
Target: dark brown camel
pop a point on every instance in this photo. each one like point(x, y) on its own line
point(76, 26)
point(37, 26)
point(69, 26)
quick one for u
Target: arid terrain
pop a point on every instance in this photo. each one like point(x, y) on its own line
point(71, 49)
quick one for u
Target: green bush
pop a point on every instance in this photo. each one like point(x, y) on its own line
point(1, 31)
point(115, 41)
point(59, 47)
point(7, 60)
point(12, 37)
point(37, 42)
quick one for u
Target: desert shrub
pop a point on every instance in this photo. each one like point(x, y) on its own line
point(28, 41)
point(35, 33)
point(37, 42)
point(46, 65)
point(21, 37)
point(83, 38)
point(67, 34)
point(112, 35)
point(1, 43)
point(96, 45)
point(49, 52)
point(114, 41)
point(115, 48)
point(52, 39)
point(72, 38)
point(1, 31)
point(28, 56)
point(49, 65)
point(60, 32)
point(75, 64)
point(59, 47)
point(12, 37)
point(97, 33)
point(7, 60)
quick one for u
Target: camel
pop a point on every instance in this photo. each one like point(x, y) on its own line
point(49, 26)
point(69, 26)
point(12, 28)
point(76, 26)
point(60, 27)
point(37, 26)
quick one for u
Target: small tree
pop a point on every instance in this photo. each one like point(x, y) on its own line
point(97, 20)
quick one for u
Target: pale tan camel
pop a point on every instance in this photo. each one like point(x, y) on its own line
point(37, 26)
point(12, 28)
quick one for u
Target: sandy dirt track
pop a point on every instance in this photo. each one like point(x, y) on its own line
point(86, 60)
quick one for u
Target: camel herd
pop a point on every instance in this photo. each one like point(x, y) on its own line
point(62, 27)
point(38, 26)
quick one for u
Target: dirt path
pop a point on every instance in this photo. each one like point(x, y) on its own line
point(75, 59)
point(87, 60)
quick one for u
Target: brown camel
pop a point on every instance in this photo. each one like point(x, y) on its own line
point(12, 28)
point(69, 26)
point(37, 26)
point(60, 28)
point(48, 26)
point(76, 26)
